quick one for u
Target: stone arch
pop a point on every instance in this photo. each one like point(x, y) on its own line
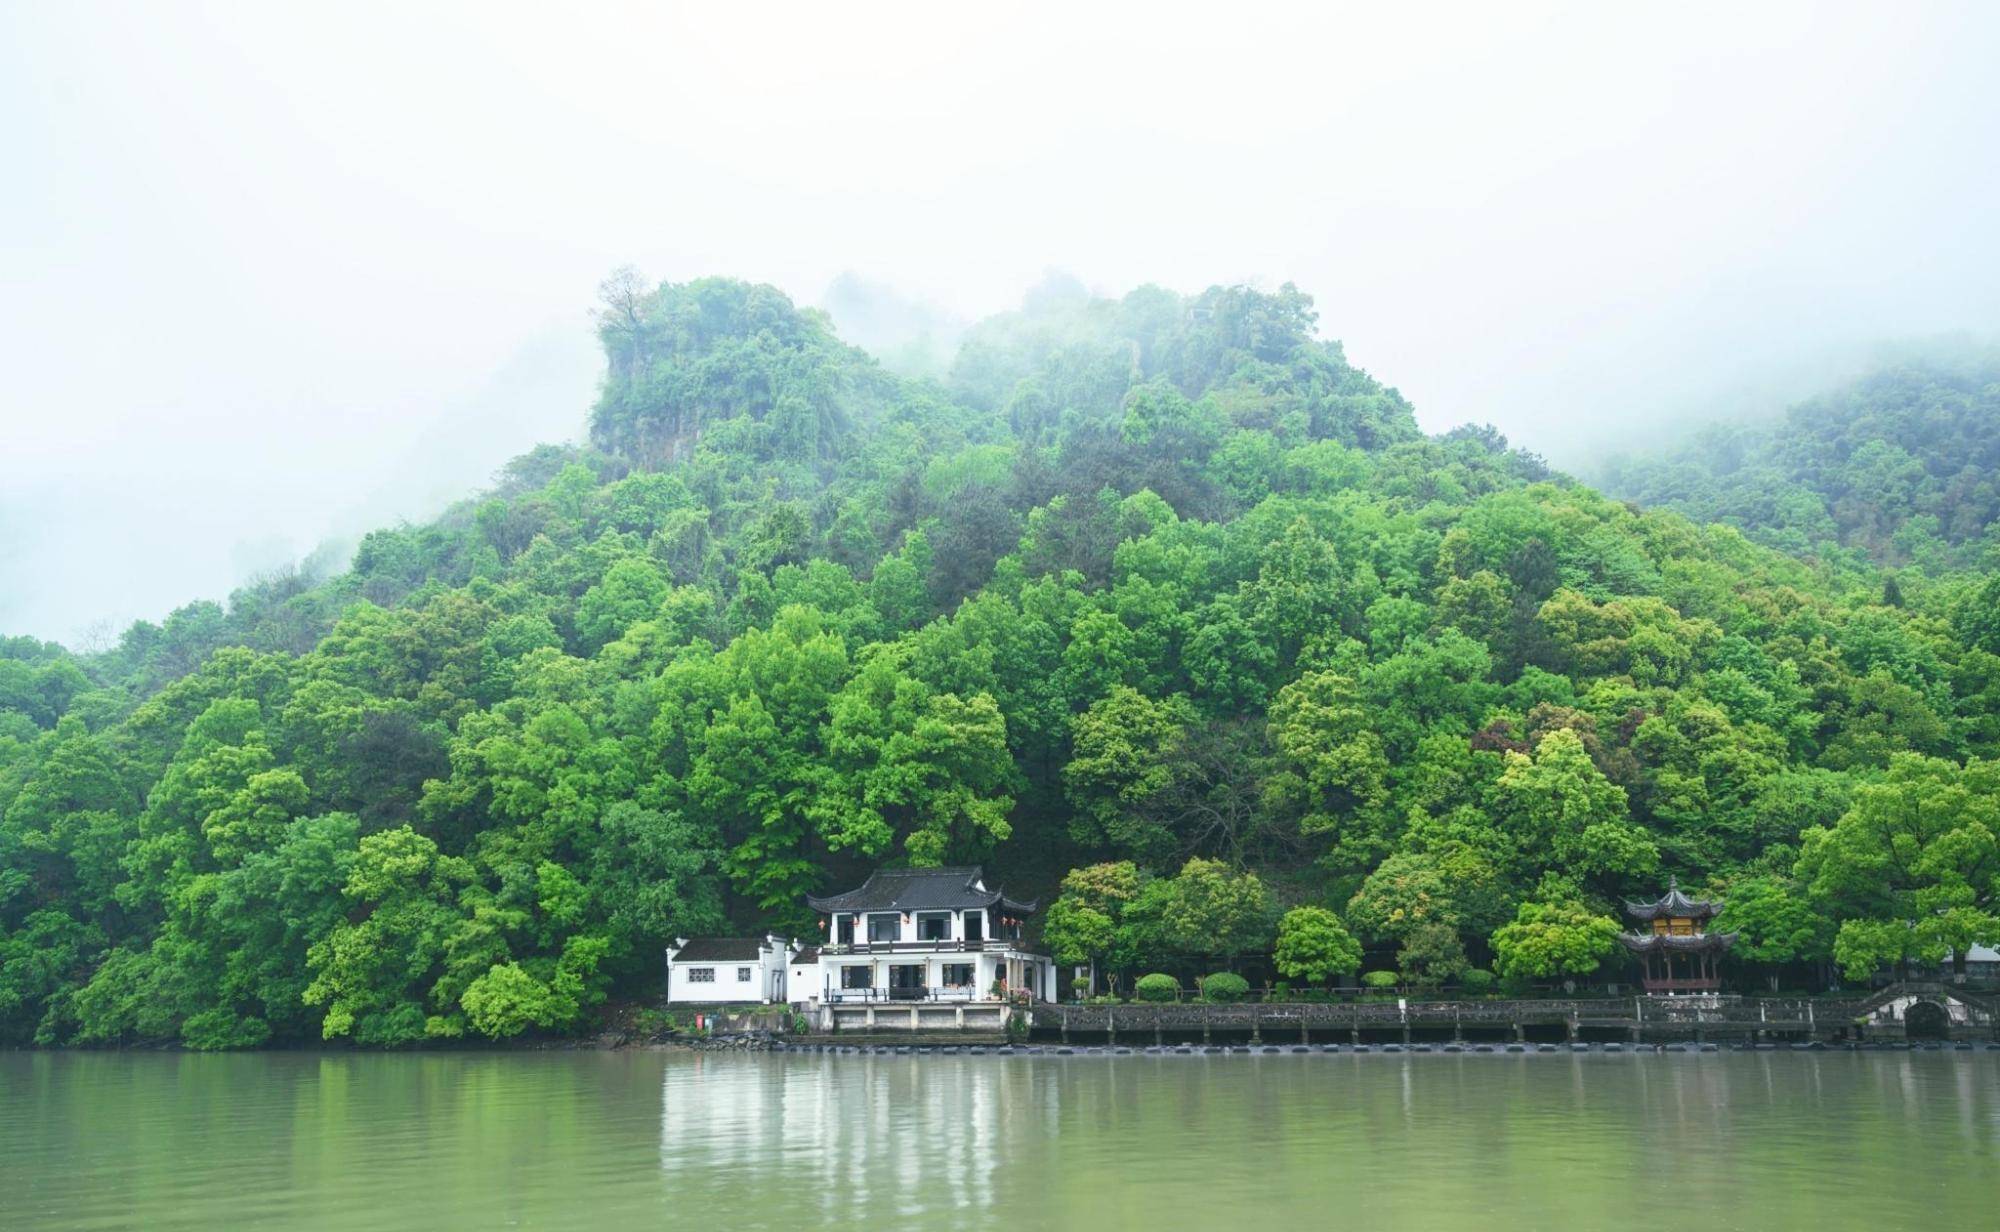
point(1927, 1020)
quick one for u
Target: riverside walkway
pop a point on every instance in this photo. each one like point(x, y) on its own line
point(1953, 1014)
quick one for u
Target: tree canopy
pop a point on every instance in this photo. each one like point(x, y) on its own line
point(1160, 589)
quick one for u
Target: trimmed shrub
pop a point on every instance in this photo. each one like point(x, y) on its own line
point(1379, 979)
point(1225, 987)
point(1478, 982)
point(1157, 987)
point(1282, 990)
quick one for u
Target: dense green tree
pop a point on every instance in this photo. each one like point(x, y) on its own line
point(1912, 870)
point(1128, 751)
point(1208, 911)
point(1314, 945)
point(374, 971)
point(1553, 940)
point(1334, 768)
point(911, 765)
point(1567, 815)
point(1453, 886)
point(1086, 923)
point(1432, 954)
point(1775, 924)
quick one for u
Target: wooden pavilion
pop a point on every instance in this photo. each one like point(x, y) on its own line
point(1674, 945)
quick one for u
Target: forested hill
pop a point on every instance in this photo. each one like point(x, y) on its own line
point(1161, 589)
point(1901, 467)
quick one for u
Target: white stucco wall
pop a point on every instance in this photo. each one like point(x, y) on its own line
point(765, 985)
point(803, 982)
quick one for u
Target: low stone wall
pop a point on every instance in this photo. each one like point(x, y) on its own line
point(879, 1017)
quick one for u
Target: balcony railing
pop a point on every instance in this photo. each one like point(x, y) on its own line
point(1681, 985)
point(952, 946)
point(884, 996)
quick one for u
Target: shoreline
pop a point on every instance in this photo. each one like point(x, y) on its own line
point(931, 1048)
point(1424, 1049)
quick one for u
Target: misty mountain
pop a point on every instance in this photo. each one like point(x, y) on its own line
point(908, 335)
point(1158, 592)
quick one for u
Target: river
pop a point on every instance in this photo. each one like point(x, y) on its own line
point(644, 1139)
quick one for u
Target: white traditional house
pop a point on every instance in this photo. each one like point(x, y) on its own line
point(722, 970)
point(925, 948)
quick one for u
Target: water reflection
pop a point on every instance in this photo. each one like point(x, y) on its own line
point(1342, 1141)
point(649, 1140)
point(852, 1137)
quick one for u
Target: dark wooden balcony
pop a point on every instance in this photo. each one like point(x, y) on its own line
point(1687, 985)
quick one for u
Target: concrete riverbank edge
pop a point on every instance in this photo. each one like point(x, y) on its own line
point(1269, 1050)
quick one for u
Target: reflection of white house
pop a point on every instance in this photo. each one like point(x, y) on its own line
point(714, 970)
point(878, 1133)
point(925, 947)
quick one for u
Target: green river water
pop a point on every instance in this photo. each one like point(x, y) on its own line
point(610, 1141)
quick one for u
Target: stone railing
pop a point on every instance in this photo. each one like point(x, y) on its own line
point(1570, 1013)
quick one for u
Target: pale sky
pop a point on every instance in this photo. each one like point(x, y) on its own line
point(271, 274)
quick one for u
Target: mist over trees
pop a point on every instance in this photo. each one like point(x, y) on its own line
point(1900, 467)
point(1156, 605)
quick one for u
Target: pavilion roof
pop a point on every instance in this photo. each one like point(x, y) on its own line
point(1674, 904)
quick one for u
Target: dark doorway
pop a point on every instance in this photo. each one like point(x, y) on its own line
point(906, 982)
point(1926, 1020)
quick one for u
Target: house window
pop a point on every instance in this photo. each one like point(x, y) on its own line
point(975, 925)
point(958, 975)
point(884, 927)
point(743, 975)
point(857, 977)
point(843, 929)
point(701, 975)
point(934, 926)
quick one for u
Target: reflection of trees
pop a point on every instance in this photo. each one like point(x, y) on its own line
point(614, 1141)
point(1323, 1141)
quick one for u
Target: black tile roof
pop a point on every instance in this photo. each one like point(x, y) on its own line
point(720, 949)
point(919, 889)
point(1675, 904)
point(810, 954)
